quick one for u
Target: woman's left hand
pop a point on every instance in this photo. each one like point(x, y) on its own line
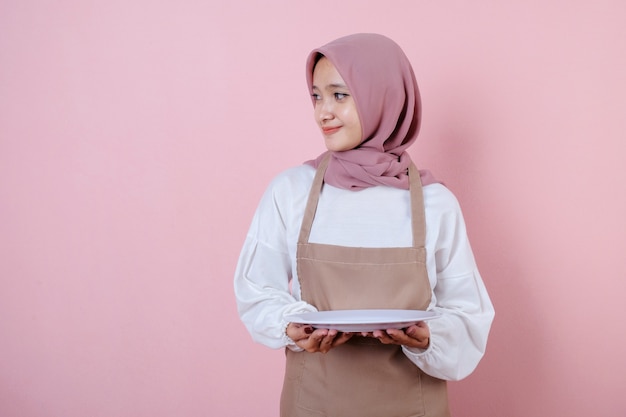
point(417, 335)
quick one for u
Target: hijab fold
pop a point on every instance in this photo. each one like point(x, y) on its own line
point(381, 81)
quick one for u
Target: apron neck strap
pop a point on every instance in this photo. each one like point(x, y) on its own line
point(314, 196)
point(418, 212)
point(418, 216)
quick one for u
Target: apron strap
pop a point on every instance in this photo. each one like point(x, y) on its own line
point(311, 205)
point(418, 216)
point(418, 212)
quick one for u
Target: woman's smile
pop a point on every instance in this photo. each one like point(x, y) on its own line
point(329, 130)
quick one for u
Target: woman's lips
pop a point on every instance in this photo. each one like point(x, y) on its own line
point(330, 130)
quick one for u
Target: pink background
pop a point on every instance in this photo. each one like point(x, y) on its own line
point(136, 138)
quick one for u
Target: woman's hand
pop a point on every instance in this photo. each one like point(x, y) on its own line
point(316, 340)
point(417, 336)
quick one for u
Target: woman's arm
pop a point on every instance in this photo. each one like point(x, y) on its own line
point(264, 270)
point(458, 338)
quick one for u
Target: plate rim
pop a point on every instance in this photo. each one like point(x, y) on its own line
point(354, 321)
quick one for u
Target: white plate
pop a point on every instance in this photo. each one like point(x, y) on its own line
point(362, 320)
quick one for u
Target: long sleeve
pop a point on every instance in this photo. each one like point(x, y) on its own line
point(459, 336)
point(264, 272)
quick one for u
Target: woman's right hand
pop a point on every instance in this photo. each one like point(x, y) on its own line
point(316, 340)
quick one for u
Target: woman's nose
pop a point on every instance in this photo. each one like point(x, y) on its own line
point(324, 110)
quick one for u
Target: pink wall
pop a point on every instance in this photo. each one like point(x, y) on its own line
point(136, 138)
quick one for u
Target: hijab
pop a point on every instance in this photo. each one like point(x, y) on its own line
point(381, 81)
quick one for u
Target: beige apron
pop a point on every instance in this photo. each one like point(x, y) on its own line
point(362, 378)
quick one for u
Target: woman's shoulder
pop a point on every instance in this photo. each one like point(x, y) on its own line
point(439, 197)
point(290, 183)
point(300, 176)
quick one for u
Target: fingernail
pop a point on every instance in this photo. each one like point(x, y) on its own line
point(308, 330)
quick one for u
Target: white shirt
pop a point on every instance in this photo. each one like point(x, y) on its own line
point(266, 281)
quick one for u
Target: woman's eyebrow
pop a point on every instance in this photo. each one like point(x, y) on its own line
point(331, 86)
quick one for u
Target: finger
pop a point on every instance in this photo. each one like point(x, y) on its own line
point(418, 331)
point(313, 341)
point(398, 336)
point(383, 337)
point(341, 339)
point(401, 337)
point(297, 331)
point(326, 343)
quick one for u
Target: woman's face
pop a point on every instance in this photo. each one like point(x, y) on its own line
point(335, 109)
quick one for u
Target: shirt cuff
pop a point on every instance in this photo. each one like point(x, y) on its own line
point(412, 351)
point(288, 341)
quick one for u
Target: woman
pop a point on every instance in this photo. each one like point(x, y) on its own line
point(360, 228)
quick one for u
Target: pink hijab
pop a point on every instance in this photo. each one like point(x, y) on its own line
point(381, 80)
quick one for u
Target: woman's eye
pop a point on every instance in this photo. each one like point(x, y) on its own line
point(340, 96)
point(315, 96)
